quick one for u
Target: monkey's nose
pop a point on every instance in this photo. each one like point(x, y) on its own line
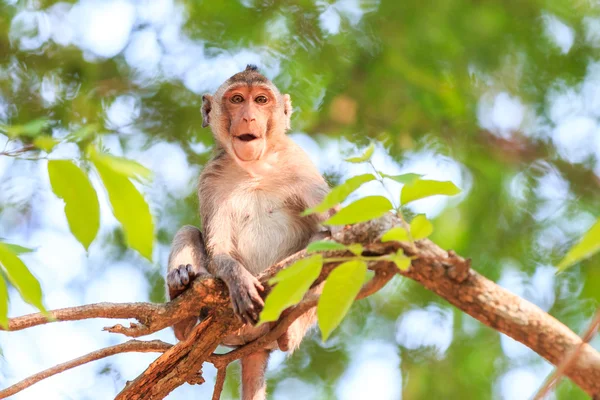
point(249, 119)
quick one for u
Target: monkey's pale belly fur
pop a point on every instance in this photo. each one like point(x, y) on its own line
point(266, 234)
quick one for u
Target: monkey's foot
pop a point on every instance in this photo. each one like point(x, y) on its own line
point(179, 279)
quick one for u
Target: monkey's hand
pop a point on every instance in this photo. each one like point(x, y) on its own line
point(245, 292)
point(178, 279)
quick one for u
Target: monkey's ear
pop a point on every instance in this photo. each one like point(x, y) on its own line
point(206, 107)
point(287, 110)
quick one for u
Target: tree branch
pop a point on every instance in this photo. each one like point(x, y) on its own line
point(444, 273)
point(221, 375)
point(206, 292)
point(130, 346)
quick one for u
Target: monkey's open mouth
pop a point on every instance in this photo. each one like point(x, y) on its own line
point(247, 137)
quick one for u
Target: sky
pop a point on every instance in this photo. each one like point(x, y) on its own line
point(70, 277)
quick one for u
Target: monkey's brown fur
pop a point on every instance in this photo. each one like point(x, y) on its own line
point(251, 195)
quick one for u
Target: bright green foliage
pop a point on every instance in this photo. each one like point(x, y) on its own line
point(340, 193)
point(45, 143)
point(21, 278)
point(356, 248)
point(29, 129)
point(397, 233)
point(16, 249)
point(81, 201)
point(421, 188)
point(403, 179)
point(123, 166)
point(324, 245)
point(291, 285)
point(420, 227)
point(589, 245)
point(366, 156)
point(129, 206)
point(84, 133)
point(3, 303)
point(401, 261)
point(361, 210)
point(341, 288)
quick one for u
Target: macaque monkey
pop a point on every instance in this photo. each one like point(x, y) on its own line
point(251, 195)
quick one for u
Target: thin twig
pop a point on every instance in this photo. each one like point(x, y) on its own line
point(221, 375)
point(15, 153)
point(154, 346)
point(8, 140)
point(554, 378)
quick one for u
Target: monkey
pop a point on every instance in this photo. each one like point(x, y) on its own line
point(251, 193)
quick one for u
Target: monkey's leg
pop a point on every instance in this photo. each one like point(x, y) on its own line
point(254, 386)
point(294, 334)
point(187, 260)
point(291, 338)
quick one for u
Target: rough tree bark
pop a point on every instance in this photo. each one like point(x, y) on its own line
point(442, 272)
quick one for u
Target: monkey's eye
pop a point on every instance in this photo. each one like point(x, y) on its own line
point(261, 99)
point(237, 98)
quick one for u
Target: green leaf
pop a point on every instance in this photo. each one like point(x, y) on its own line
point(397, 233)
point(3, 303)
point(401, 261)
point(83, 133)
point(292, 283)
point(129, 206)
point(421, 188)
point(589, 244)
point(72, 185)
point(297, 268)
point(356, 249)
point(21, 278)
point(364, 209)
point(341, 288)
point(366, 156)
point(420, 227)
point(126, 167)
point(16, 249)
point(404, 178)
point(30, 129)
point(324, 245)
point(45, 143)
point(340, 193)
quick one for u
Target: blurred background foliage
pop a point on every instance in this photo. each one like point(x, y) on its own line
point(508, 91)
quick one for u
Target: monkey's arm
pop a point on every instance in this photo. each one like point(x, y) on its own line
point(187, 260)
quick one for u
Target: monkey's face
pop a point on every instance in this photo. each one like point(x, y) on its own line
point(251, 111)
point(247, 117)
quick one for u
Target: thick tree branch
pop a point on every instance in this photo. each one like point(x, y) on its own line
point(173, 368)
point(445, 273)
